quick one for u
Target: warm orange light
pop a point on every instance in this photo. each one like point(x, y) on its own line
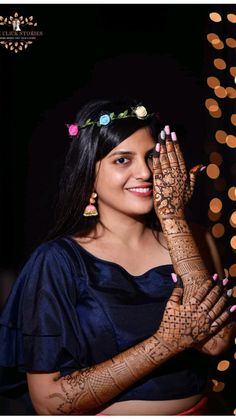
point(212, 36)
point(216, 17)
point(218, 230)
point(231, 141)
point(213, 171)
point(226, 272)
point(215, 205)
point(214, 216)
point(211, 105)
point(216, 158)
point(232, 193)
point(216, 114)
point(231, 17)
point(220, 136)
point(219, 386)
point(234, 288)
point(233, 242)
point(231, 92)
point(223, 365)
point(232, 272)
point(231, 42)
point(233, 119)
point(213, 82)
point(217, 44)
point(232, 71)
point(232, 219)
point(219, 63)
point(220, 91)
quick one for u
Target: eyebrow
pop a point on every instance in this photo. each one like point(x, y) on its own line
point(124, 152)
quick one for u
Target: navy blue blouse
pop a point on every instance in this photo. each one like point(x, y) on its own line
point(69, 309)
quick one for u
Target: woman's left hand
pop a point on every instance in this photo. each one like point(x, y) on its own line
point(172, 186)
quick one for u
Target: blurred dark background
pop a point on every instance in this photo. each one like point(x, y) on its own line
point(157, 52)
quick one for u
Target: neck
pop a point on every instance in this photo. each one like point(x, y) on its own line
point(122, 228)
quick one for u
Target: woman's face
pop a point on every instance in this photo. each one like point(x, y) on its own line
point(124, 177)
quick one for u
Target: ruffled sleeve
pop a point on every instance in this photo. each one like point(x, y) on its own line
point(39, 325)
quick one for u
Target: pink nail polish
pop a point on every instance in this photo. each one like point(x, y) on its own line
point(225, 281)
point(215, 277)
point(173, 136)
point(158, 146)
point(167, 129)
point(232, 309)
point(174, 277)
point(162, 135)
point(202, 168)
point(229, 292)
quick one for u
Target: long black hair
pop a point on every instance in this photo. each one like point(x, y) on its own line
point(78, 177)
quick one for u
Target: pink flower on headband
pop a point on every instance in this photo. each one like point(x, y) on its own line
point(73, 130)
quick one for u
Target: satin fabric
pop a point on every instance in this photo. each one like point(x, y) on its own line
point(69, 309)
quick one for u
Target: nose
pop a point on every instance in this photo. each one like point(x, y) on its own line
point(142, 169)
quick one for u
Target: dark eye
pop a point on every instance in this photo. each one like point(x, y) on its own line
point(150, 155)
point(121, 160)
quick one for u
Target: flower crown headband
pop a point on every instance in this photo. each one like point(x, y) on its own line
point(138, 111)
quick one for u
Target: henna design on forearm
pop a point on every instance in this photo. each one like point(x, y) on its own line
point(90, 388)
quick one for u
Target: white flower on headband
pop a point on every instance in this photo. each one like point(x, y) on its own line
point(140, 111)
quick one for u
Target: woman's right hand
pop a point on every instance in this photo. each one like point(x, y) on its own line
point(184, 325)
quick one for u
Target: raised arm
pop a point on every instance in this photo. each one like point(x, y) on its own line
point(172, 189)
point(89, 389)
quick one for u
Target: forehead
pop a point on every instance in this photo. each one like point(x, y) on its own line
point(140, 140)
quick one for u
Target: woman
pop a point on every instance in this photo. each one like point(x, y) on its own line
point(98, 318)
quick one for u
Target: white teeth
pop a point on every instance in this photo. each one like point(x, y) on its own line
point(140, 189)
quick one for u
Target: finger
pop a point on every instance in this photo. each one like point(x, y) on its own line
point(170, 148)
point(212, 297)
point(178, 152)
point(164, 159)
point(222, 319)
point(156, 160)
point(202, 292)
point(218, 308)
point(176, 296)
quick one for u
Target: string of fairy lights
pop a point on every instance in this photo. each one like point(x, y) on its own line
point(222, 97)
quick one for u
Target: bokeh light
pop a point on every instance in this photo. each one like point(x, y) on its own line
point(232, 219)
point(215, 205)
point(233, 119)
point(233, 242)
point(211, 105)
point(213, 171)
point(220, 92)
point(230, 42)
point(218, 230)
point(232, 193)
point(231, 92)
point(223, 365)
point(215, 17)
point(218, 386)
point(213, 82)
point(214, 216)
point(231, 17)
point(221, 136)
point(219, 63)
point(231, 141)
point(216, 158)
point(232, 272)
point(232, 71)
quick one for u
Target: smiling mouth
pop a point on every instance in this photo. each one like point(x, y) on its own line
point(141, 191)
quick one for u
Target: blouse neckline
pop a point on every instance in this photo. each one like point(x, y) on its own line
point(109, 262)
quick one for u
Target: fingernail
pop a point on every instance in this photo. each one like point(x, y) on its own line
point(162, 135)
point(157, 148)
point(229, 292)
point(174, 277)
point(202, 168)
point(232, 309)
point(225, 281)
point(167, 129)
point(215, 277)
point(173, 136)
